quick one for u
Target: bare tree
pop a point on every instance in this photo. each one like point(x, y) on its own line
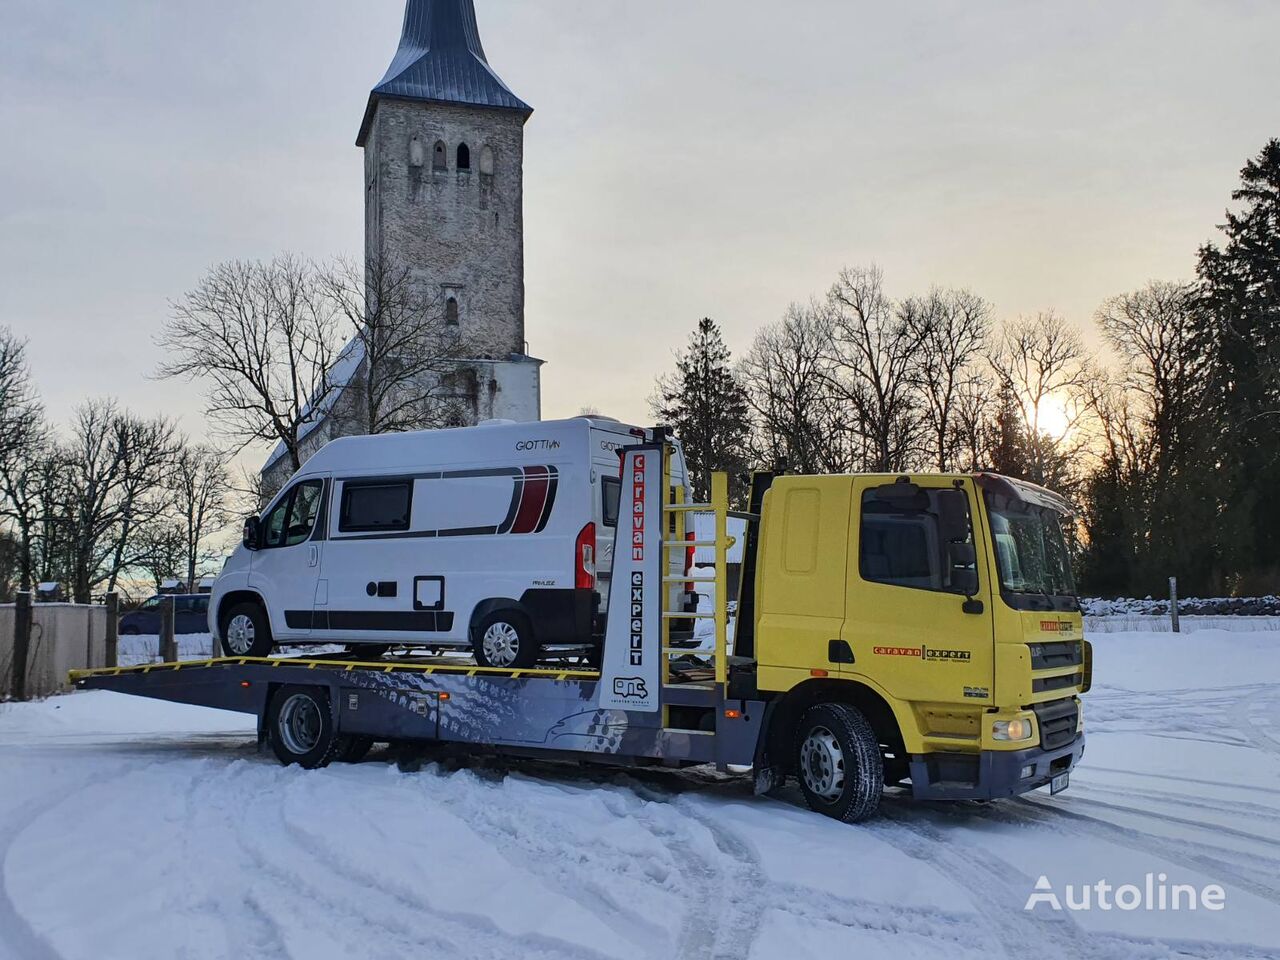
point(264, 337)
point(788, 377)
point(402, 345)
point(199, 507)
point(116, 467)
point(1153, 330)
point(1043, 364)
point(950, 328)
point(875, 360)
point(23, 440)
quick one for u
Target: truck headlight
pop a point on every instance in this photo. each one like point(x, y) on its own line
point(1011, 730)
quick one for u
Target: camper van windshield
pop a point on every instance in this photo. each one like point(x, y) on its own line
point(1031, 550)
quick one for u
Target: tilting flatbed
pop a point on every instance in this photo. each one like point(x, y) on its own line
point(886, 636)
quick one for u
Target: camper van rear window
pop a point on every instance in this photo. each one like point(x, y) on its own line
point(611, 492)
point(376, 506)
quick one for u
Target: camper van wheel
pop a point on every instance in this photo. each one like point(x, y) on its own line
point(504, 639)
point(838, 762)
point(301, 727)
point(246, 632)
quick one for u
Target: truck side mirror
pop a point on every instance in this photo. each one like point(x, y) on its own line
point(252, 533)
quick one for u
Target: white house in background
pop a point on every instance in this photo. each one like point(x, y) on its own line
point(443, 141)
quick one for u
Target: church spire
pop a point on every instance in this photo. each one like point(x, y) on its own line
point(440, 58)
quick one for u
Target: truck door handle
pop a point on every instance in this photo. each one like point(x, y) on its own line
point(313, 555)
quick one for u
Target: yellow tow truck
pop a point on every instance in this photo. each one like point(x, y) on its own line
point(919, 632)
point(925, 626)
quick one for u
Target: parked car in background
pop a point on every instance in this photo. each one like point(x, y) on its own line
point(190, 615)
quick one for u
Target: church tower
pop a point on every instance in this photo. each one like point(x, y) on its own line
point(443, 141)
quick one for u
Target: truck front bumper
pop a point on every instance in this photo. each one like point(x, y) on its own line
point(991, 773)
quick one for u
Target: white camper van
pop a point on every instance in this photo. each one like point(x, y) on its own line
point(485, 538)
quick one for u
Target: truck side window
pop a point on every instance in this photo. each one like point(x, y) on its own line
point(610, 493)
point(380, 506)
point(923, 540)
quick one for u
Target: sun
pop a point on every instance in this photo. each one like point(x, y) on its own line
point(1054, 418)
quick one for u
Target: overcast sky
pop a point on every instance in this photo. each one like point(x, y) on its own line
point(686, 158)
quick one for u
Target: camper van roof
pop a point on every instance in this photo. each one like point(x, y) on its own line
point(395, 450)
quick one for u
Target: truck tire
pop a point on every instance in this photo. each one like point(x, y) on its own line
point(300, 726)
point(504, 639)
point(246, 632)
point(838, 762)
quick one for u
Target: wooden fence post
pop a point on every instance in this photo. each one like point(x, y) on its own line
point(112, 658)
point(168, 644)
point(21, 644)
point(1173, 604)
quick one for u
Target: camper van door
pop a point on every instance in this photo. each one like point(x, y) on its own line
point(286, 566)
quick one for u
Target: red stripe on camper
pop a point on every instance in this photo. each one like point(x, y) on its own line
point(532, 499)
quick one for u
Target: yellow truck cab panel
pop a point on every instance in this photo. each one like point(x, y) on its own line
point(800, 578)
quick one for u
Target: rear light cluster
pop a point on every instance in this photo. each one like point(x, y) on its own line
point(689, 553)
point(584, 558)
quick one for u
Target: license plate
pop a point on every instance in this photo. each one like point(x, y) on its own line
point(1059, 783)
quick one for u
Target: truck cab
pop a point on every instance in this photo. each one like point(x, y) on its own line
point(940, 608)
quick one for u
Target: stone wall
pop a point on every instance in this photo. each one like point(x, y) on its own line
point(64, 636)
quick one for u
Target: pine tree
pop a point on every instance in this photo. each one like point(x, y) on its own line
point(707, 407)
point(1240, 286)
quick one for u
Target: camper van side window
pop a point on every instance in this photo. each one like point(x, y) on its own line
point(381, 506)
point(610, 492)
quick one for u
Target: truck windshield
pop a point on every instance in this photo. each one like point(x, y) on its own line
point(1031, 550)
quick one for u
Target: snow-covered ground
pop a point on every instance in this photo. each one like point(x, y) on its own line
point(134, 829)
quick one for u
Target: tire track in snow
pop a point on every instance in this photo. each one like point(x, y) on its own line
point(509, 840)
point(1220, 864)
point(988, 883)
point(1264, 703)
point(17, 937)
point(451, 933)
point(1023, 933)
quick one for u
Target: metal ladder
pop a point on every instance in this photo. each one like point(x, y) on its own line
point(675, 515)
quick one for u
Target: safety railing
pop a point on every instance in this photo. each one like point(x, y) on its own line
point(677, 535)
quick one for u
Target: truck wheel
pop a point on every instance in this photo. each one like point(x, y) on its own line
point(301, 727)
point(504, 639)
point(246, 631)
point(352, 748)
point(838, 762)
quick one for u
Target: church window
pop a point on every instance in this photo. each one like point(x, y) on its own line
point(440, 156)
point(486, 161)
point(451, 312)
point(464, 157)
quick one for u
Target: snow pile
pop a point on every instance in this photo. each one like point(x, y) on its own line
point(138, 829)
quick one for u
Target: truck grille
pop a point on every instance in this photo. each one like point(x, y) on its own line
point(1056, 653)
point(1058, 721)
point(1056, 683)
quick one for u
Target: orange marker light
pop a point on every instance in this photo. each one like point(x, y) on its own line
point(732, 714)
point(444, 696)
point(818, 673)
